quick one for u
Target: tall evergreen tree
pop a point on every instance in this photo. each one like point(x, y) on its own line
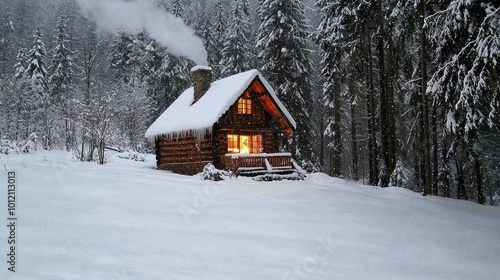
point(210, 42)
point(22, 100)
point(37, 74)
point(62, 73)
point(121, 52)
point(36, 71)
point(235, 57)
point(6, 44)
point(466, 83)
point(177, 9)
point(284, 52)
point(331, 37)
point(61, 80)
point(219, 30)
point(387, 67)
point(245, 8)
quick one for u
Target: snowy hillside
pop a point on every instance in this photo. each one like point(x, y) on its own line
point(125, 220)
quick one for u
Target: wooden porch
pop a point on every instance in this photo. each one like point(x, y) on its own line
point(257, 164)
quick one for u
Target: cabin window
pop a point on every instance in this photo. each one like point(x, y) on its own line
point(245, 106)
point(244, 144)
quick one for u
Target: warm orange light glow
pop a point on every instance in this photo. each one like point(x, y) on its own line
point(232, 143)
point(245, 106)
point(244, 144)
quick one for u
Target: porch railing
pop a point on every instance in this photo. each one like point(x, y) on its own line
point(256, 162)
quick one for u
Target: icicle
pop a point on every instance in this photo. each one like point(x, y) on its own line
point(198, 134)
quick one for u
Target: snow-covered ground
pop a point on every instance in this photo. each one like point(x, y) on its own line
point(125, 220)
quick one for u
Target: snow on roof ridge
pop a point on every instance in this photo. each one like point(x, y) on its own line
point(201, 67)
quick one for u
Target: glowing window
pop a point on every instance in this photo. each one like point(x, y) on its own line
point(245, 106)
point(256, 144)
point(232, 143)
point(244, 144)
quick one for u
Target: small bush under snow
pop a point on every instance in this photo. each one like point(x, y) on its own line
point(28, 146)
point(213, 174)
point(132, 156)
point(496, 200)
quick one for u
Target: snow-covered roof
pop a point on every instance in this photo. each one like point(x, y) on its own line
point(183, 117)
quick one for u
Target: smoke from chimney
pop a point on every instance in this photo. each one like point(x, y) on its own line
point(164, 27)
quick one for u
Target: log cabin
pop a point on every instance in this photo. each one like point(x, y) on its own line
point(235, 123)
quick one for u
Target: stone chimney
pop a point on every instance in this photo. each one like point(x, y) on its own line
point(202, 78)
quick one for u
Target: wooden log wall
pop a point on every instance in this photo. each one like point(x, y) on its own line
point(183, 150)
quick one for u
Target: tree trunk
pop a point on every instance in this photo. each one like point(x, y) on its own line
point(337, 139)
point(391, 109)
point(481, 199)
point(435, 153)
point(354, 140)
point(322, 139)
point(384, 125)
point(444, 172)
point(461, 191)
point(371, 117)
point(424, 129)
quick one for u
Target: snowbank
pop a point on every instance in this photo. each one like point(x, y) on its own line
point(126, 220)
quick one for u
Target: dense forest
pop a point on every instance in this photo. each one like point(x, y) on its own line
point(387, 92)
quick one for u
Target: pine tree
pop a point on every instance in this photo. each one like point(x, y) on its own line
point(61, 80)
point(174, 77)
point(387, 67)
point(37, 74)
point(220, 22)
point(209, 42)
point(465, 35)
point(121, 52)
point(331, 39)
point(245, 8)
point(219, 29)
point(284, 51)
point(412, 71)
point(235, 58)
point(36, 71)
point(151, 61)
point(6, 44)
point(23, 104)
point(177, 9)
point(21, 64)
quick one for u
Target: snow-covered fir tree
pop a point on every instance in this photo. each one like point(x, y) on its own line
point(121, 51)
point(22, 99)
point(466, 35)
point(219, 29)
point(21, 64)
point(62, 72)
point(283, 46)
point(36, 71)
point(177, 9)
point(245, 8)
point(6, 44)
point(466, 82)
point(37, 75)
point(235, 54)
point(210, 43)
point(61, 81)
point(331, 38)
